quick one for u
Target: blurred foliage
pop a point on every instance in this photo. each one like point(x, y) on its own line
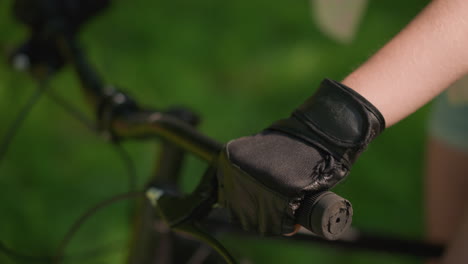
point(240, 65)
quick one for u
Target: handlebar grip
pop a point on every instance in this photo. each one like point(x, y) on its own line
point(325, 214)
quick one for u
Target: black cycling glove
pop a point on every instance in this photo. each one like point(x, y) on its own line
point(263, 178)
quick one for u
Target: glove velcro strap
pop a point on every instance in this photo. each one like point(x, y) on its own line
point(335, 118)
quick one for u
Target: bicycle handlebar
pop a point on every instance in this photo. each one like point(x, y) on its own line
point(325, 214)
point(143, 124)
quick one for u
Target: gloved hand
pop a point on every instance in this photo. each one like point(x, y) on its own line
point(263, 178)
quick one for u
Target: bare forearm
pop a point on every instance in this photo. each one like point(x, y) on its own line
point(420, 62)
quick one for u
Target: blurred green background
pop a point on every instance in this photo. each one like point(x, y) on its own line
point(241, 65)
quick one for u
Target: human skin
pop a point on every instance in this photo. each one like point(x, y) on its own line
point(417, 64)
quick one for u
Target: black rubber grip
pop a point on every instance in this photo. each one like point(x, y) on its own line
point(325, 214)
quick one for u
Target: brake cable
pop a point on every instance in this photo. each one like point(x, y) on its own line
point(21, 117)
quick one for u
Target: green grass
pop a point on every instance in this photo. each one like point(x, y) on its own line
point(240, 65)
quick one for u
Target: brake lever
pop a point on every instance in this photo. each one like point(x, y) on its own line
point(184, 213)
